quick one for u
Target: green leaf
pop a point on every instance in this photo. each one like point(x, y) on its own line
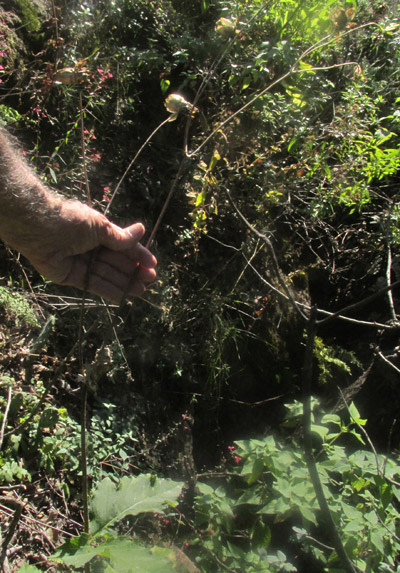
point(308, 514)
point(134, 495)
point(53, 175)
point(49, 418)
point(291, 143)
point(164, 84)
point(355, 415)
point(322, 431)
point(26, 568)
point(204, 5)
point(331, 419)
point(122, 556)
point(377, 538)
point(256, 472)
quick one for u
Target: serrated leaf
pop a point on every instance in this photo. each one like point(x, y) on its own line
point(134, 495)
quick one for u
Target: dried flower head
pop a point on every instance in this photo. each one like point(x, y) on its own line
point(175, 104)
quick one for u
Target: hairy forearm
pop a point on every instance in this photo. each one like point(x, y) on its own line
point(26, 206)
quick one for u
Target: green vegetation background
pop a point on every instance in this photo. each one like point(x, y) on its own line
point(288, 188)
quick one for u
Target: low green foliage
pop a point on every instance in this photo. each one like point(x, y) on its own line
point(313, 162)
point(118, 555)
point(132, 496)
point(110, 504)
point(239, 520)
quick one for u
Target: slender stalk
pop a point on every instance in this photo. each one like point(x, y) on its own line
point(310, 460)
point(5, 416)
point(84, 391)
point(85, 487)
point(83, 144)
point(19, 507)
point(133, 161)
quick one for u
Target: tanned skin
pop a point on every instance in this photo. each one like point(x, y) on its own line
point(67, 241)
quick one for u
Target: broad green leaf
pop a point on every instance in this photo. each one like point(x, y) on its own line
point(320, 430)
point(25, 568)
point(279, 506)
point(132, 496)
point(256, 472)
point(260, 534)
point(331, 419)
point(308, 514)
point(123, 556)
point(377, 539)
point(205, 489)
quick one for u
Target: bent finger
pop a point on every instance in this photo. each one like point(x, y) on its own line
point(125, 262)
point(118, 239)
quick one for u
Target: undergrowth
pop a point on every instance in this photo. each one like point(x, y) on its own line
point(287, 150)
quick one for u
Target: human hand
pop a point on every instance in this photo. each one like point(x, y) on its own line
point(82, 248)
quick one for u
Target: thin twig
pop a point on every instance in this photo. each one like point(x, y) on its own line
point(361, 303)
point(255, 253)
point(388, 362)
point(325, 41)
point(307, 307)
point(133, 161)
point(19, 507)
point(5, 416)
point(46, 525)
point(84, 389)
point(271, 250)
point(388, 282)
point(389, 266)
point(218, 60)
point(83, 144)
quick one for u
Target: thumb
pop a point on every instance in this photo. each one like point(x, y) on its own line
point(118, 239)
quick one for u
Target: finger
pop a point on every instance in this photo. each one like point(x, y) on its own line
point(118, 239)
point(142, 255)
point(127, 261)
point(106, 282)
point(103, 287)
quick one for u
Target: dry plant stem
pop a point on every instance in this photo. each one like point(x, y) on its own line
point(132, 162)
point(84, 390)
point(19, 507)
point(271, 250)
point(321, 43)
point(361, 303)
point(5, 416)
point(175, 182)
point(85, 488)
point(83, 144)
point(156, 226)
point(308, 453)
point(338, 315)
point(388, 362)
point(388, 281)
point(30, 519)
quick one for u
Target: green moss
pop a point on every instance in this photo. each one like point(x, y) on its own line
point(18, 305)
point(29, 14)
